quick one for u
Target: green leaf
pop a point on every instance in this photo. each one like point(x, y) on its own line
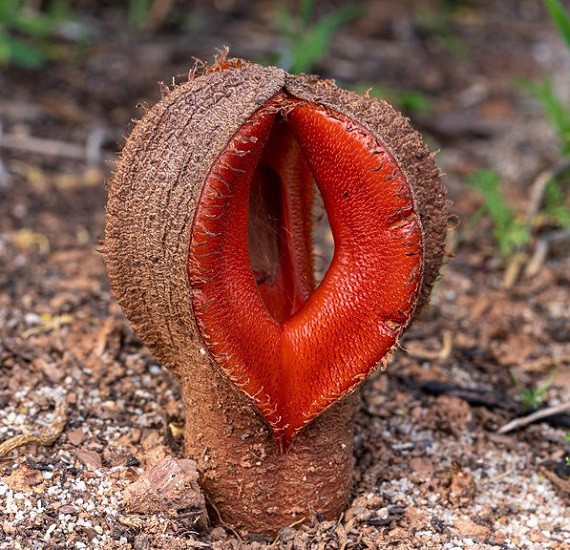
point(9, 11)
point(305, 10)
point(557, 113)
point(24, 55)
point(37, 27)
point(560, 18)
point(509, 231)
point(554, 205)
point(5, 49)
point(138, 12)
point(532, 398)
point(313, 43)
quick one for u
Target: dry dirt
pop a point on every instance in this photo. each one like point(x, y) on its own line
point(432, 469)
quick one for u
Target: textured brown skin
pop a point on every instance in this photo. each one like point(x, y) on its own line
point(152, 199)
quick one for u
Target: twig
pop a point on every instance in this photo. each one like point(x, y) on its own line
point(560, 484)
point(477, 397)
point(538, 258)
point(540, 183)
point(446, 345)
point(45, 439)
point(49, 323)
point(538, 415)
point(514, 265)
point(43, 146)
point(542, 249)
point(494, 480)
point(91, 152)
point(94, 146)
point(537, 191)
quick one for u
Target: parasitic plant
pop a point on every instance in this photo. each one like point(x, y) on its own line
point(209, 252)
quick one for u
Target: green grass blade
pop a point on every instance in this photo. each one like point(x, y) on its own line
point(509, 231)
point(557, 113)
point(560, 18)
point(314, 45)
point(306, 10)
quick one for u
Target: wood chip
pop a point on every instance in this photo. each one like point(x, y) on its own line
point(168, 486)
point(24, 479)
point(76, 436)
point(91, 459)
point(422, 466)
point(538, 415)
point(469, 528)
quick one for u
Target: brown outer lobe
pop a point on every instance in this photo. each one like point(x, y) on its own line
point(408, 148)
point(152, 199)
point(154, 193)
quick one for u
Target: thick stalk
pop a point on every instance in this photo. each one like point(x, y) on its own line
point(251, 483)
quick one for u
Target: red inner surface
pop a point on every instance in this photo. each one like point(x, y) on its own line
point(292, 348)
point(280, 226)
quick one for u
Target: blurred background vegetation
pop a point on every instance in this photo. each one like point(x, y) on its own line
point(299, 36)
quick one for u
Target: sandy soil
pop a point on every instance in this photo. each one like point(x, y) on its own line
point(432, 469)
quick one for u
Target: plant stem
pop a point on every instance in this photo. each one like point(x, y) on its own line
point(253, 484)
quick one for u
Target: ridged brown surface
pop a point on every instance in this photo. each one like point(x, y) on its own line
point(252, 484)
point(152, 199)
point(154, 193)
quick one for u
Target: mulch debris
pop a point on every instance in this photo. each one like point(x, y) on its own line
point(431, 469)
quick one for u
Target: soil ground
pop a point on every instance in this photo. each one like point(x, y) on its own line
point(432, 469)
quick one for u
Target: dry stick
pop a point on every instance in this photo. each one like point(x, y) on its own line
point(48, 437)
point(538, 187)
point(476, 397)
point(542, 249)
point(43, 146)
point(525, 420)
point(513, 269)
point(537, 190)
point(90, 152)
point(220, 520)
